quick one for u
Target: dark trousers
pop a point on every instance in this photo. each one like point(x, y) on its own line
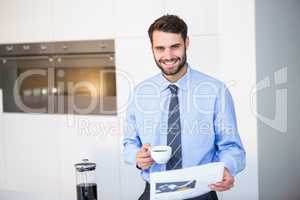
point(208, 196)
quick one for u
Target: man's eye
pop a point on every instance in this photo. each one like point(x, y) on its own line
point(175, 46)
point(159, 48)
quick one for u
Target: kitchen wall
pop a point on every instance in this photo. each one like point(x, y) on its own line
point(40, 150)
point(237, 69)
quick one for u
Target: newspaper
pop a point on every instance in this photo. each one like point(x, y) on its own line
point(185, 183)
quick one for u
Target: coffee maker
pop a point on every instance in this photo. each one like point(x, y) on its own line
point(86, 180)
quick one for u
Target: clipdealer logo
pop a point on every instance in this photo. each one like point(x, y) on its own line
point(279, 122)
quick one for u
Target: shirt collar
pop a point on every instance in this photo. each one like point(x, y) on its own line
point(181, 83)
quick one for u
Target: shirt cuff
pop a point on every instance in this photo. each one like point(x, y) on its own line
point(229, 165)
point(130, 155)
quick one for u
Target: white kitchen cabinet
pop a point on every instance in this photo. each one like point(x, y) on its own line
point(133, 17)
point(82, 19)
point(31, 157)
point(200, 15)
point(25, 21)
point(97, 139)
point(203, 54)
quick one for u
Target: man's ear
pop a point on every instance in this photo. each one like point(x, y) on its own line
point(187, 42)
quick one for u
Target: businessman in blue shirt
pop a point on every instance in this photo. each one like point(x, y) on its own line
point(187, 110)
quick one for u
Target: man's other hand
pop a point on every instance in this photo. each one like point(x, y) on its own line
point(225, 184)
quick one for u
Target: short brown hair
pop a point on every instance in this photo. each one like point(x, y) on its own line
point(170, 24)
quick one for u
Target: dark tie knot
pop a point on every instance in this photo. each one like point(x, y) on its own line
point(173, 89)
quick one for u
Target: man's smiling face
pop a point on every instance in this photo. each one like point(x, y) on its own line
point(169, 50)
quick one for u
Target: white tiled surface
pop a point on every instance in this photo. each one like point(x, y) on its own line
point(134, 63)
point(132, 185)
point(200, 15)
point(31, 155)
point(95, 138)
point(133, 17)
point(83, 19)
point(203, 54)
point(47, 20)
point(25, 21)
point(40, 153)
point(134, 56)
point(237, 64)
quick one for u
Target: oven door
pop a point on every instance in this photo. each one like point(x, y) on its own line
point(75, 84)
point(26, 83)
point(85, 84)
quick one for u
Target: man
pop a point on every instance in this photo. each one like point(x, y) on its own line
point(185, 109)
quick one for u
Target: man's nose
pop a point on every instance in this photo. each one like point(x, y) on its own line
point(168, 53)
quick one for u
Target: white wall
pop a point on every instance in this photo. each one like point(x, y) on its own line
point(237, 67)
point(41, 150)
point(51, 144)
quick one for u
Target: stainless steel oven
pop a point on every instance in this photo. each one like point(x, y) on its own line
point(60, 77)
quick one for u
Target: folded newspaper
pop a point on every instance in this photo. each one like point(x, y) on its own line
point(185, 183)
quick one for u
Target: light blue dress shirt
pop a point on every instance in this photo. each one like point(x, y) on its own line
point(209, 129)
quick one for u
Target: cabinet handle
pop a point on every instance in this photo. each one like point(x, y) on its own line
point(9, 48)
point(26, 47)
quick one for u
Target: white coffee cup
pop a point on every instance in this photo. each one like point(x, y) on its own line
point(161, 154)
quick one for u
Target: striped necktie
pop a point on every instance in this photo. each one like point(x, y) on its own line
point(174, 131)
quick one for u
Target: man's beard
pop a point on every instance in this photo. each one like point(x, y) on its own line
point(180, 65)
